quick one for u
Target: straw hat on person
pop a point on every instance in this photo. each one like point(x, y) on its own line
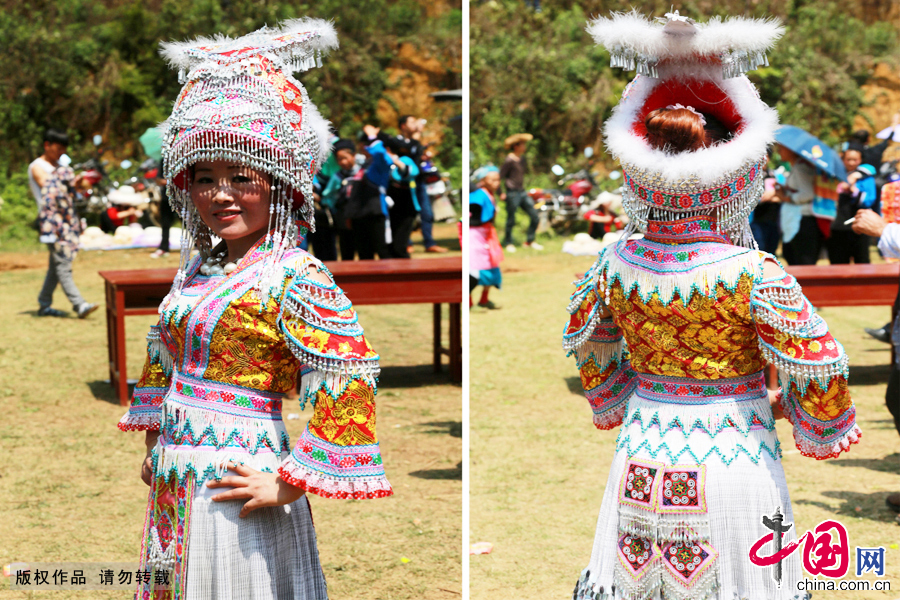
point(517, 138)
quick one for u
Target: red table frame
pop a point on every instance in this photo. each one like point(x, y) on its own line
point(846, 285)
point(434, 281)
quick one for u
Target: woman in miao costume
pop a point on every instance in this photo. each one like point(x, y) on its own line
point(672, 332)
point(244, 323)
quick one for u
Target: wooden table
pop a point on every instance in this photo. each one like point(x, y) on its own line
point(846, 285)
point(849, 285)
point(396, 281)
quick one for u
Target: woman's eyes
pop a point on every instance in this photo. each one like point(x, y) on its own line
point(236, 178)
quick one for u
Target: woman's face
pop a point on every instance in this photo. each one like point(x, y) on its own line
point(232, 199)
point(852, 159)
point(491, 182)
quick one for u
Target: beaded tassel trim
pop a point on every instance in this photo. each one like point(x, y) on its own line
point(200, 442)
point(652, 268)
point(158, 351)
point(601, 354)
point(323, 331)
point(585, 307)
point(742, 419)
point(316, 483)
point(779, 304)
point(730, 200)
point(334, 471)
point(818, 439)
point(637, 43)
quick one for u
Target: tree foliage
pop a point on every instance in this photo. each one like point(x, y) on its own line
point(541, 72)
point(92, 66)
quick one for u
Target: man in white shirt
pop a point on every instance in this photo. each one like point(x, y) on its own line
point(868, 222)
point(59, 271)
point(55, 144)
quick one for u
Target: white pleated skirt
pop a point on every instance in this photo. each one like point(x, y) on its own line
point(733, 450)
point(270, 554)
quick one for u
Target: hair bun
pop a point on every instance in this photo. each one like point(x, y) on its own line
point(676, 129)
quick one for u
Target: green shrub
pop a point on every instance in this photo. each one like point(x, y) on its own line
point(541, 73)
point(92, 67)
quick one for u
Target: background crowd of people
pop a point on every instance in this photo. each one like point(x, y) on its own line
point(809, 212)
point(370, 195)
point(371, 192)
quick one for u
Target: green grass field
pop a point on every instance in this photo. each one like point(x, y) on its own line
point(70, 488)
point(539, 467)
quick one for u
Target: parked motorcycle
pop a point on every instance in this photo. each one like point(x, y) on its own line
point(93, 200)
point(144, 182)
point(560, 209)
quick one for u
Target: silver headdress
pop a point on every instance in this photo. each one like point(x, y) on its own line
point(240, 103)
point(702, 66)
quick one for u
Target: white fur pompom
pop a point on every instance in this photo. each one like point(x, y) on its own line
point(635, 32)
point(327, 38)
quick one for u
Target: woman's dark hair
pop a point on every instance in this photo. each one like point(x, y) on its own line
point(343, 144)
point(681, 130)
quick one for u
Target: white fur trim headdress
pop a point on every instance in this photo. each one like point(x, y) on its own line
point(240, 103)
point(700, 65)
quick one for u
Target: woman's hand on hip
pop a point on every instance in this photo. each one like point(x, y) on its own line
point(258, 488)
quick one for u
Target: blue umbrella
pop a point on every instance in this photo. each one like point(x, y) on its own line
point(812, 149)
point(151, 140)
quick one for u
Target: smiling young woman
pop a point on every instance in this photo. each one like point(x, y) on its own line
point(227, 515)
point(234, 201)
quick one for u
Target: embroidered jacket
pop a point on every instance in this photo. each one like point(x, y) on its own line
point(219, 364)
point(702, 310)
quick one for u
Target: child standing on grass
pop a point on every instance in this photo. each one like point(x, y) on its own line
point(486, 253)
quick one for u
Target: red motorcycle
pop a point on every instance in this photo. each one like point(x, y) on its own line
point(559, 209)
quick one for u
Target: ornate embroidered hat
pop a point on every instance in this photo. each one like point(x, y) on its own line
point(241, 103)
point(699, 66)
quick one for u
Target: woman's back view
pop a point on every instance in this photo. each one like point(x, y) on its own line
point(672, 333)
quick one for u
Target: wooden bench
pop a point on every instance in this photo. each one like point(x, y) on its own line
point(397, 281)
point(848, 285)
point(845, 285)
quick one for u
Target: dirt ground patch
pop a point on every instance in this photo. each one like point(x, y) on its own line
point(14, 261)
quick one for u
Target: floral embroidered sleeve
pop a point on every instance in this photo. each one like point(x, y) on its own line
point(600, 351)
point(337, 456)
point(151, 388)
point(812, 368)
